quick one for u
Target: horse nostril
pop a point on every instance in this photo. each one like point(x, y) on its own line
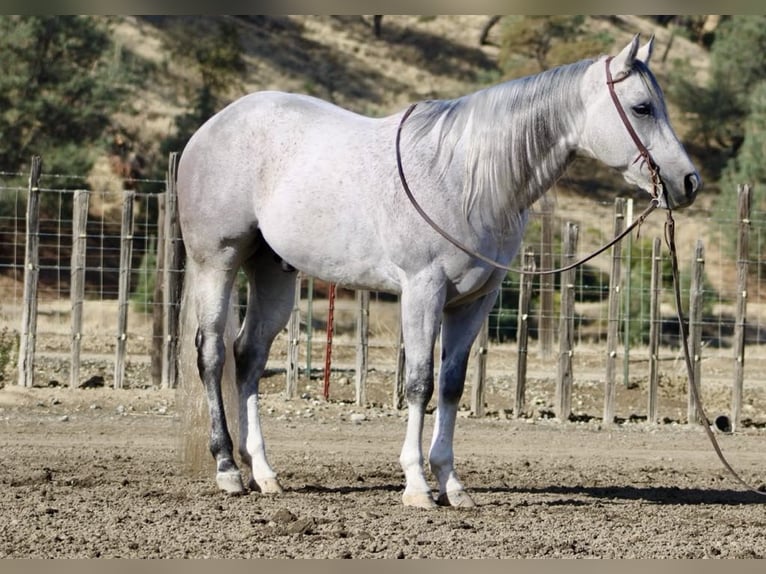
point(691, 184)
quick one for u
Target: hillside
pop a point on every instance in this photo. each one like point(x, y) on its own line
point(338, 58)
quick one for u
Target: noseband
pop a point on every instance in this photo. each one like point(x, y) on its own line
point(654, 169)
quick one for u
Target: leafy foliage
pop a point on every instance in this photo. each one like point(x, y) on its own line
point(636, 311)
point(217, 63)
point(729, 116)
point(721, 107)
point(748, 166)
point(59, 88)
point(531, 44)
point(142, 297)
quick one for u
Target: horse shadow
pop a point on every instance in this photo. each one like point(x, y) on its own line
point(662, 495)
point(574, 495)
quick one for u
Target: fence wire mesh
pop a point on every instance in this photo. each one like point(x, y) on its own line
point(543, 238)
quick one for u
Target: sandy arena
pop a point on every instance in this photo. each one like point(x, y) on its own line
point(97, 473)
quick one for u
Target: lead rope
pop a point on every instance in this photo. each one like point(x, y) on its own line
point(671, 242)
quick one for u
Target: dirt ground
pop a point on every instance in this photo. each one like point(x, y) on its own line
point(97, 473)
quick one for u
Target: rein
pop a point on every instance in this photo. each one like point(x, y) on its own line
point(658, 189)
point(704, 421)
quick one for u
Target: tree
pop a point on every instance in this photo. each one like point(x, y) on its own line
point(58, 90)
point(749, 166)
point(721, 107)
point(531, 44)
point(730, 114)
point(216, 58)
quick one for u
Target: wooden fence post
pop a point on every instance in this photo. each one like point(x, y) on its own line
point(123, 294)
point(480, 374)
point(158, 313)
point(309, 322)
point(545, 324)
point(566, 324)
point(28, 338)
point(293, 342)
point(77, 282)
point(328, 347)
point(743, 248)
point(613, 321)
point(627, 296)
point(655, 326)
point(522, 335)
point(362, 344)
point(696, 294)
point(171, 280)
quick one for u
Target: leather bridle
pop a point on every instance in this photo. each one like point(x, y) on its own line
point(643, 153)
point(658, 188)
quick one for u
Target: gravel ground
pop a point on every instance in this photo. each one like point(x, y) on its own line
point(97, 473)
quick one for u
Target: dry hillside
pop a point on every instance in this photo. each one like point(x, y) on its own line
point(338, 58)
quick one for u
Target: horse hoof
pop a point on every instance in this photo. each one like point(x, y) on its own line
point(456, 499)
point(266, 486)
point(230, 482)
point(419, 500)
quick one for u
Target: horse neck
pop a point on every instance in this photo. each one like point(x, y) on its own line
point(510, 164)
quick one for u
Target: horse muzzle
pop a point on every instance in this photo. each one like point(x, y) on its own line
point(683, 196)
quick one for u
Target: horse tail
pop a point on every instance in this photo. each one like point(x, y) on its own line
point(190, 397)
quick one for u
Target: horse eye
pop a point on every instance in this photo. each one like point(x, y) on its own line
point(642, 109)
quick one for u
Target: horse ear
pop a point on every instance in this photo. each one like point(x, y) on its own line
point(645, 52)
point(623, 62)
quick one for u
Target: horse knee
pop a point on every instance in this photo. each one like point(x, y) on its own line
point(451, 393)
point(420, 388)
point(250, 360)
point(452, 383)
point(451, 389)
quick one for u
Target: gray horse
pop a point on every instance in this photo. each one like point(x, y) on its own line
point(276, 182)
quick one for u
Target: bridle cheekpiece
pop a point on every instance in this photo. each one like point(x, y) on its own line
point(654, 170)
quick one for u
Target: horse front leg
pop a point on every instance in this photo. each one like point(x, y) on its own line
point(459, 330)
point(421, 316)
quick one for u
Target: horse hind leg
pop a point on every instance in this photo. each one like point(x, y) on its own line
point(269, 304)
point(212, 292)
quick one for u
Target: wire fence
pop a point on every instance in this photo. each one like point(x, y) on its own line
point(592, 285)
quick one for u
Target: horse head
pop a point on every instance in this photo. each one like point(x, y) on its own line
point(627, 127)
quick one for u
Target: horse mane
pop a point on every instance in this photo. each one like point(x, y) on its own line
point(508, 132)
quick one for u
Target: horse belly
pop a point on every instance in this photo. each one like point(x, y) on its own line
point(318, 247)
point(327, 228)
